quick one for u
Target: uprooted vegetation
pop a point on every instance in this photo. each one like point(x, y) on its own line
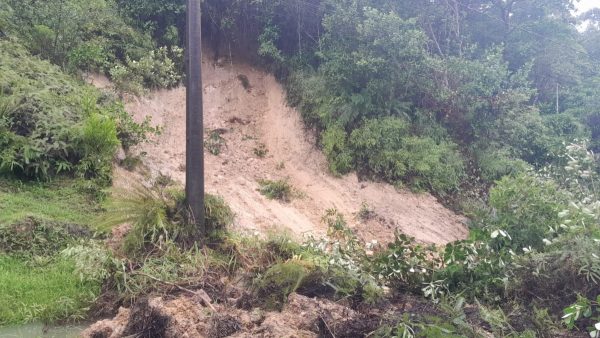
point(489, 284)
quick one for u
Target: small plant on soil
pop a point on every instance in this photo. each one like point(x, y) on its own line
point(280, 165)
point(280, 190)
point(245, 82)
point(215, 142)
point(131, 162)
point(365, 213)
point(261, 150)
point(280, 280)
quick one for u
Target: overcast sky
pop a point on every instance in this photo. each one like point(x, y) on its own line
point(585, 5)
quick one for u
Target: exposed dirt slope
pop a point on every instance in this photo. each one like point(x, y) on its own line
point(248, 118)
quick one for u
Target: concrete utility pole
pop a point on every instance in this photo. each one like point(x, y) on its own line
point(194, 172)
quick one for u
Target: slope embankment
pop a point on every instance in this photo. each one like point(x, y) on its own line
point(250, 118)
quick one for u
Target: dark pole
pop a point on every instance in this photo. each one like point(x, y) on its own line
point(194, 173)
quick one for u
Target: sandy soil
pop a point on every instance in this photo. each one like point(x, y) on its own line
point(248, 118)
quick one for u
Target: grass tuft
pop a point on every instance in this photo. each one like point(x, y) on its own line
point(280, 190)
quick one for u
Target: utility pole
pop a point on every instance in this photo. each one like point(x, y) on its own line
point(557, 98)
point(194, 172)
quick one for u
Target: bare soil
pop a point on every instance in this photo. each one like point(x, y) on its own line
point(247, 118)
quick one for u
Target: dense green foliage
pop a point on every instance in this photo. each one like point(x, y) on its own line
point(473, 83)
point(50, 122)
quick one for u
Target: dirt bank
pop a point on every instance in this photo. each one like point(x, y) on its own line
point(249, 118)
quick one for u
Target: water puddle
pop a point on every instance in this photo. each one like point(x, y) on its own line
point(38, 330)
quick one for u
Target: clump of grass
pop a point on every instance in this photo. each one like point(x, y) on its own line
point(261, 150)
point(217, 214)
point(130, 162)
point(159, 215)
point(280, 190)
point(365, 212)
point(280, 165)
point(280, 280)
point(215, 142)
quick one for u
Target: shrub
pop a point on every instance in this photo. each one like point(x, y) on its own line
point(384, 148)
point(97, 145)
point(51, 124)
point(129, 132)
point(160, 216)
point(261, 150)
point(527, 208)
point(215, 142)
point(154, 70)
point(335, 147)
point(89, 57)
point(245, 82)
point(497, 163)
point(553, 279)
point(404, 264)
point(365, 212)
point(37, 113)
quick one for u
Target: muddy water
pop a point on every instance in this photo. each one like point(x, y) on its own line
point(37, 330)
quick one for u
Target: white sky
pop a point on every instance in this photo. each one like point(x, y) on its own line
point(584, 5)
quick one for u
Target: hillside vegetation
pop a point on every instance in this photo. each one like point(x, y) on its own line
point(489, 105)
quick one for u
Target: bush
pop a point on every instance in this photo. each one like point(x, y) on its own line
point(51, 124)
point(554, 278)
point(217, 214)
point(38, 109)
point(89, 57)
point(154, 70)
point(82, 35)
point(335, 147)
point(384, 148)
point(215, 142)
point(160, 216)
point(97, 145)
point(527, 208)
point(497, 163)
point(405, 265)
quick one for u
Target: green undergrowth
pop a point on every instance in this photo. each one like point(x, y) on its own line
point(47, 291)
point(60, 201)
point(39, 281)
point(38, 222)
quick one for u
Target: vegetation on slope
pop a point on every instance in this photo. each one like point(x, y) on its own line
point(455, 97)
